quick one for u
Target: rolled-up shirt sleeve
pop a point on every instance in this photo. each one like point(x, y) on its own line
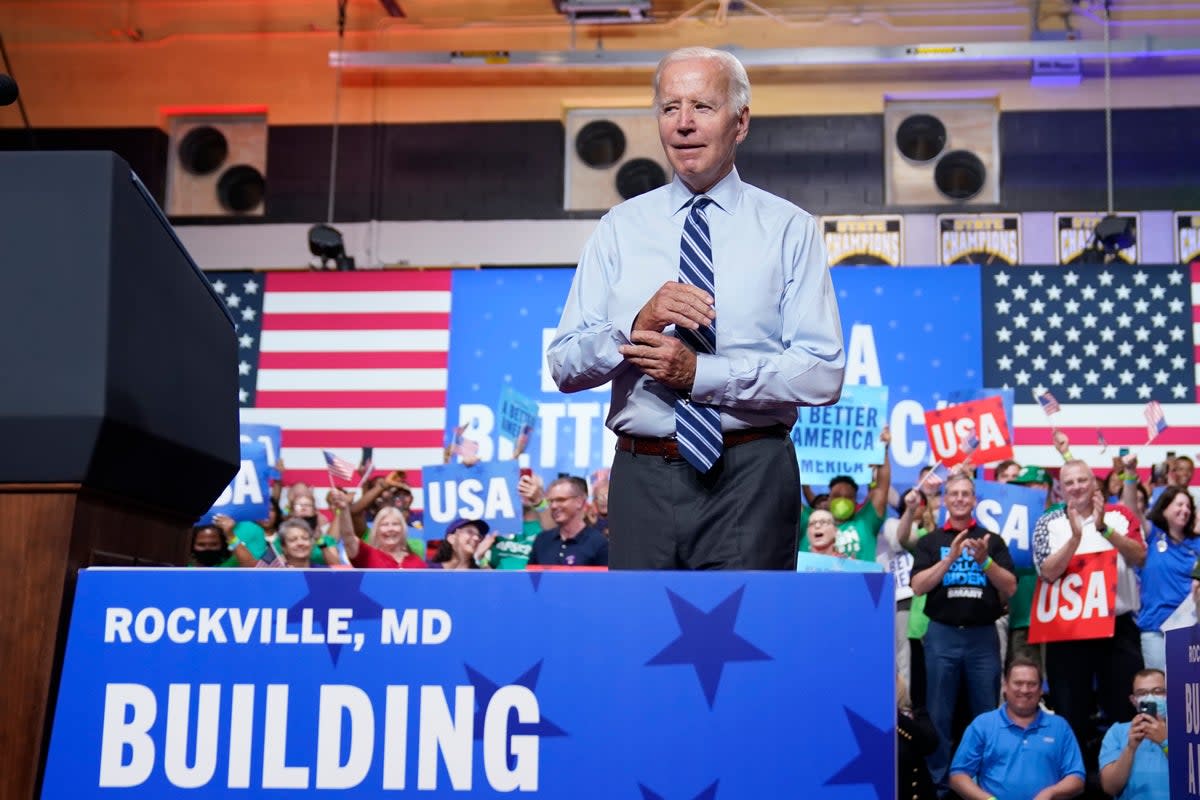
point(809, 369)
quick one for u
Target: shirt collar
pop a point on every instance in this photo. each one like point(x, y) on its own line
point(725, 194)
point(1038, 720)
point(948, 527)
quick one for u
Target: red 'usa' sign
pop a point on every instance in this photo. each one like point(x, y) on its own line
point(1080, 604)
point(949, 428)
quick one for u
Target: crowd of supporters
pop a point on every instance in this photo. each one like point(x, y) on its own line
point(968, 679)
point(975, 697)
point(564, 525)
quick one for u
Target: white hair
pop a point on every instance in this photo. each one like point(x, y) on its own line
point(739, 82)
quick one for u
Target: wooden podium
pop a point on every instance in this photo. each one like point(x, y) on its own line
point(118, 412)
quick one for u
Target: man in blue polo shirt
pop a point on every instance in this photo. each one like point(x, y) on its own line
point(1018, 751)
point(1133, 758)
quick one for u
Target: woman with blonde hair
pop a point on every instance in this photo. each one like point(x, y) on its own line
point(389, 538)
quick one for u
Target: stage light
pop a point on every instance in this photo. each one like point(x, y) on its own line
point(325, 242)
point(1114, 234)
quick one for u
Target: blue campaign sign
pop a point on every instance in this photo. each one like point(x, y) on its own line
point(248, 495)
point(1011, 511)
point(271, 437)
point(917, 331)
point(517, 413)
point(1183, 711)
point(503, 321)
point(815, 562)
point(612, 685)
point(842, 439)
point(487, 491)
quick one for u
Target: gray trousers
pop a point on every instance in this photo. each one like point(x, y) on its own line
point(743, 514)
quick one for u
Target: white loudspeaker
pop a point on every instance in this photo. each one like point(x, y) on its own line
point(216, 165)
point(942, 152)
point(612, 154)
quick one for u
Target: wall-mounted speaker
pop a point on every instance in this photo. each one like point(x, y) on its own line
point(216, 165)
point(942, 151)
point(613, 154)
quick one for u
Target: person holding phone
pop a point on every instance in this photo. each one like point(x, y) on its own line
point(1133, 757)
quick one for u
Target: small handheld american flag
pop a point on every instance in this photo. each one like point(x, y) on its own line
point(1048, 403)
point(969, 441)
point(338, 467)
point(1156, 421)
point(467, 448)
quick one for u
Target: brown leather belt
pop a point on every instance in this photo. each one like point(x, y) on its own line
point(669, 448)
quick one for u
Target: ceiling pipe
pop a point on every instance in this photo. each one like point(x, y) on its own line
point(943, 53)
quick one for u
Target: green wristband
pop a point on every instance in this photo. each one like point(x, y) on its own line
point(542, 506)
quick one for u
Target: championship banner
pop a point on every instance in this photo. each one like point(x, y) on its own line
point(486, 491)
point(864, 240)
point(979, 239)
point(1183, 712)
point(1010, 511)
point(1075, 236)
point(1079, 605)
point(210, 683)
point(948, 428)
point(1187, 236)
point(248, 495)
point(842, 439)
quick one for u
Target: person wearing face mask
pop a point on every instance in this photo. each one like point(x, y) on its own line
point(857, 527)
point(1133, 757)
point(210, 548)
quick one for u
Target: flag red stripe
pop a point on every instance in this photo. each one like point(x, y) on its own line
point(383, 321)
point(330, 440)
point(1121, 437)
point(320, 477)
point(340, 399)
point(1196, 272)
point(382, 281)
point(423, 360)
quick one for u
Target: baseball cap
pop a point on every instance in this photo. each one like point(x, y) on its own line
point(1031, 475)
point(461, 521)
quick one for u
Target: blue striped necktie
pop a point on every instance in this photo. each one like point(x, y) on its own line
point(697, 426)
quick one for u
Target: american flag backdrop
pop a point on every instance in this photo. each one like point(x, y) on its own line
point(341, 360)
point(1105, 340)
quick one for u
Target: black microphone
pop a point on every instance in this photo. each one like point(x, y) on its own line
point(8, 90)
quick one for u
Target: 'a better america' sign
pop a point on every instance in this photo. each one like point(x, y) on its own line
point(287, 683)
